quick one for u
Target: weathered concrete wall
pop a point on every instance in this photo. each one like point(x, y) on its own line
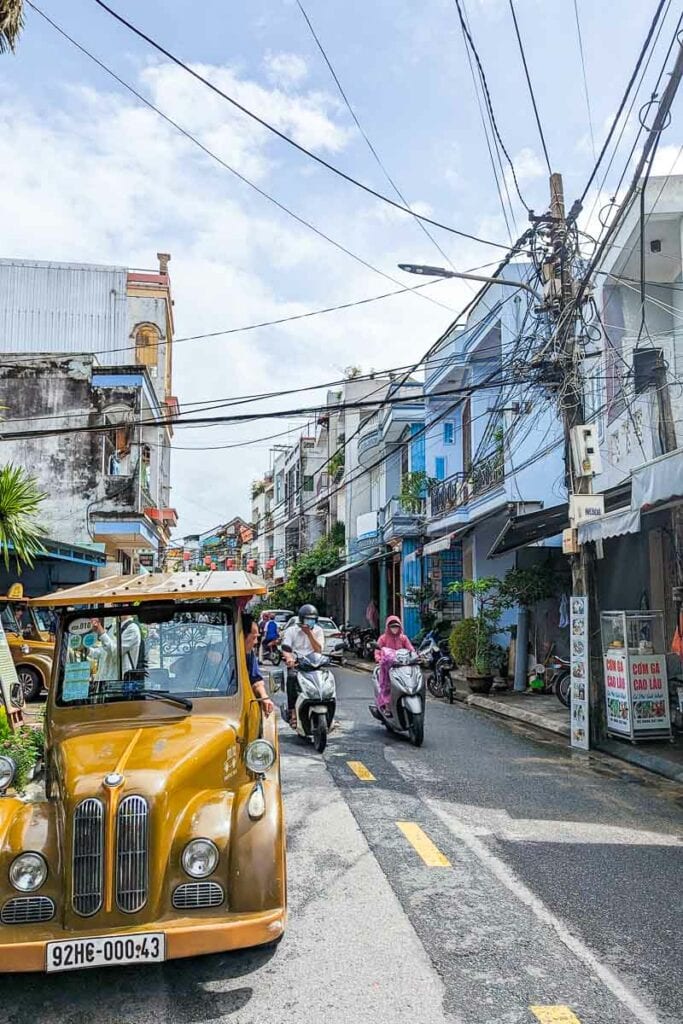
point(47, 394)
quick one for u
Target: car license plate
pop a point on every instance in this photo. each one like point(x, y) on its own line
point(106, 951)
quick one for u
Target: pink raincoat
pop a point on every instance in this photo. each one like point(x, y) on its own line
point(388, 644)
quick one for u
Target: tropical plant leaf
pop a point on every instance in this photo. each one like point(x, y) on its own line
point(11, 24)
point(20, 500)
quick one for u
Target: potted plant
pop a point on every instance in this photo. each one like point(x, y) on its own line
point(471, 640)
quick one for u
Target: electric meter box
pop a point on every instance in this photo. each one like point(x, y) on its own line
point(585, 451)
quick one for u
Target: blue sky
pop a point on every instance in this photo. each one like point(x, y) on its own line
point(89, 174)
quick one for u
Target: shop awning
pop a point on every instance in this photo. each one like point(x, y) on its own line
point(614, 524)
point(322, 580)
point(523, 530)
point(440, 544)
point(659, 482)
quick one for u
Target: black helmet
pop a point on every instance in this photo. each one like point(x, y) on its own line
point(308, 611)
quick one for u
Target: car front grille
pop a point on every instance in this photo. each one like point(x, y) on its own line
point(196, 895)
point(132, 854)
point(88, 852)
point(27, 910)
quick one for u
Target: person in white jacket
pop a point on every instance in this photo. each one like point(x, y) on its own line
point(130, 640)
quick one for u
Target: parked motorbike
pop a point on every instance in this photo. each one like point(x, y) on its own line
point(437, 660)
point(368, 643)
point(316, 702)
point(405, 712)
point(352, 639)
point(559, 680)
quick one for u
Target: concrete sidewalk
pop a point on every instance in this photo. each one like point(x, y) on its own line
point(544, 711)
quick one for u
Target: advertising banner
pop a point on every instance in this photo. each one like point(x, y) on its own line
point(650, 692)
point(578, 631)
point(617, 692)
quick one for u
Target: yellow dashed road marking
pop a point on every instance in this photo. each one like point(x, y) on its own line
point(554, 1015)
point(361, 772)
point(423, 845)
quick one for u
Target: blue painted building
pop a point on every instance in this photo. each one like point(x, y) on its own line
point(494, 443)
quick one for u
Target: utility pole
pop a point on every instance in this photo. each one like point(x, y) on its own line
point(583, 564)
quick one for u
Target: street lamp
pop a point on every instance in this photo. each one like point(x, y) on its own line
point(412, 268)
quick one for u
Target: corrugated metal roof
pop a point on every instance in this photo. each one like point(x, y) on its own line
point(62, 307)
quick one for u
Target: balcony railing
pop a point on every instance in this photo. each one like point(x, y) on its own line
point(459, 489)
point(399, 515)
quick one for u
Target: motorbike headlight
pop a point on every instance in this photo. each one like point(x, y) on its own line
point(260, 756)
point(200, 858)
point(28, 872)
point(8, 770)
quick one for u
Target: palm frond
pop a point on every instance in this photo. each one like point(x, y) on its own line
point(11, 23)
point(20, 500)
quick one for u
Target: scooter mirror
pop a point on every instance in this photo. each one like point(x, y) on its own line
point(275, 682)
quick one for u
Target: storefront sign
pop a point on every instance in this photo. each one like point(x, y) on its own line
point(617, 692)
point(578, 630)
point(649, 692)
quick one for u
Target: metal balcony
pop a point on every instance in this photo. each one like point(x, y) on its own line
point(458, 490)
point(402, 517)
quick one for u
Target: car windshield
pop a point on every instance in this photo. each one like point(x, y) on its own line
point(42, 620)
point(9, 622)
point(118, 657)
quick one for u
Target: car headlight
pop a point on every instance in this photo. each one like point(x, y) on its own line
point(28, 872)
point(8, 770)
point(260, 756)
point(25, 649)
point(200, 858)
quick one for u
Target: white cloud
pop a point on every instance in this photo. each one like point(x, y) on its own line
point(286, 69)
point(668, 160)
point(528, 166)
point(105, 180)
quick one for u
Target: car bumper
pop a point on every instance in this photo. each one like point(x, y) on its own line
point(185, 937)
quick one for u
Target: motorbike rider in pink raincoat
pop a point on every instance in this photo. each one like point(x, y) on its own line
point(392, 639)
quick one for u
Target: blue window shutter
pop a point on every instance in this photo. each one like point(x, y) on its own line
point(417, 448)
point(449, 432)
point(440, 468)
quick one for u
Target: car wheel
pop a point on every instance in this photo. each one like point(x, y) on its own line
point(31, 683)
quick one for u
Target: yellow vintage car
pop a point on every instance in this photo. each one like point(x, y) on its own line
point(162, 833)
point(30, 642)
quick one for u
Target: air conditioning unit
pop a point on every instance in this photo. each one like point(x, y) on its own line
point(585, 451)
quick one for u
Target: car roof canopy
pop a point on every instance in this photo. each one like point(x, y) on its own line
point(164, 586)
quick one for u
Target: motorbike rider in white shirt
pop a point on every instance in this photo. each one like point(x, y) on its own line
point(304, 637)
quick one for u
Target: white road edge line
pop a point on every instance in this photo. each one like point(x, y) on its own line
point(526, 896)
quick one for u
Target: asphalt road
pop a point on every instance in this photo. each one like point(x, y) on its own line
point(557, 884)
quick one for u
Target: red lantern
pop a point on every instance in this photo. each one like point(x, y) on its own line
point(230, 563)
point(186, 556)
point(207, 559)
point(213, 566)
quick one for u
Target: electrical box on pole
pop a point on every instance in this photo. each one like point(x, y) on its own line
point(586, 458)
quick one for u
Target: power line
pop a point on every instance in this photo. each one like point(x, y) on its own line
point(226, 166)
point(615, 120)
point(284, 137)
point(531, 88)
point(360, 128)
point(487, 95)
point(492, 144)
point(585, 77)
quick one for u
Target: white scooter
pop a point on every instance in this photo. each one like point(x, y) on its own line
point(316, 702)
point(405, 712)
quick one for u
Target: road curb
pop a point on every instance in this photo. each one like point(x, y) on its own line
point(651, 762)
point(519, 714)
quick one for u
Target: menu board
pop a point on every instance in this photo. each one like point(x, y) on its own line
point(649, 692)
point(617, 692)
point(8, 673)
point(578, 646)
